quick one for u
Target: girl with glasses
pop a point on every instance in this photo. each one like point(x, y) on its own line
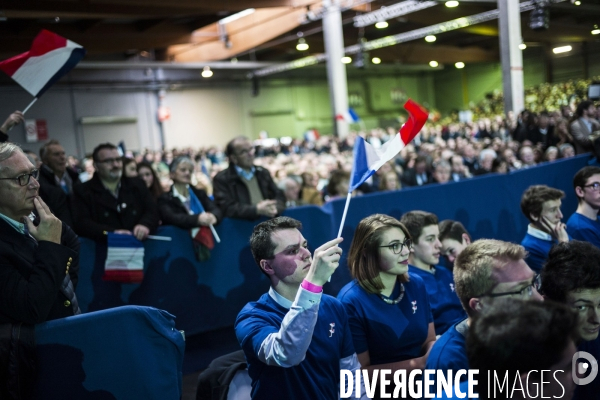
point(388, 307)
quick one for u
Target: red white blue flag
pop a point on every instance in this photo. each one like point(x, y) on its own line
point(124, 259)
point(51, 56)
point(368, 159)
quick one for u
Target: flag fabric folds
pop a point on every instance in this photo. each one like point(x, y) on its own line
point(368, 159)
point(124, 259)
point(51, 56)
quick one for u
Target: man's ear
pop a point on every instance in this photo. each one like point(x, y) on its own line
point(579, 192)
point(534, 217)
point(265, 265)
point(475, 304)
point(466, 239)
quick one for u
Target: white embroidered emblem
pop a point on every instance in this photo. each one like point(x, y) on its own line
point(331, 329)
point(414, 306)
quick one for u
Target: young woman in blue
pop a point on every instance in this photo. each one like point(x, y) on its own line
point(388, 308)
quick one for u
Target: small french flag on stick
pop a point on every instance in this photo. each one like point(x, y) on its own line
point(51, 56)
point(124, 259)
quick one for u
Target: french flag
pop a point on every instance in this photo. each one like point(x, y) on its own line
point(124, 259)
point(368, 159)
point(51, 56)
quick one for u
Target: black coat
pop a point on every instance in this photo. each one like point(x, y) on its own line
point(31, 275)
point(96, 211)
point(233, 198)
point(53, 195)
point(173, 212)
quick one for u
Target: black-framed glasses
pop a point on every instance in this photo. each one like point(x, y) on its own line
point(527, 291)
point(23, 180)
point(397, 247)
point(594, 186)
point(110, 160)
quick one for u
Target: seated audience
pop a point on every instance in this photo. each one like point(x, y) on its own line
point(39, 264)
point(186, 207)
point(454, 238)
point(441, 172)
point(423, 261)
point(291, 190)
point(418, 175)
point(389, 181)
point(309, 192)
point(295, 338)
point(484, 271)
point(57, 181)
point(459, 170)
point(244, 190)
point(388, 307)
point(584, 224)
point(541, 205)
point(338, 185)
point(572, 277)
point(148, 175)
point(129, 168)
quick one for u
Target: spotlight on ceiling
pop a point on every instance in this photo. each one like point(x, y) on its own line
point(452, 4)
point(522, 46)
point(376, 60)
point(302, 45)
point(346, 60)
point(206, 72)
point(381, 25)
point(433, 64)
point(430, 38)
point(596, 31)
point(562, 49)
point(460, 65)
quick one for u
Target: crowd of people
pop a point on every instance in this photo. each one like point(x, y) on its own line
point(402, 311)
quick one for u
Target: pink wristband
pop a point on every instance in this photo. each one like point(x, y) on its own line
point(311, 287)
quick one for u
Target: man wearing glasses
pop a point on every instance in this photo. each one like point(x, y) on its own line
point(483, 272)
point(572, 277)
point(423, 261)
point(110, 202)
point(244, 190)
point(38, 269)
point(583, 224)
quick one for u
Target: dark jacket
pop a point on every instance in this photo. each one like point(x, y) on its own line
point(53, 195)
point(31, 275)
point(173, 212)
point(233, 198)
point(409, 178)
point(96, 211)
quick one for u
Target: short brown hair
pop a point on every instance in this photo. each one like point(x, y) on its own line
point(363, 257)
point(44, 148)
point(535, 196)
point(474, 267)
point(415, 221)
point(581, 177)
point(261, 243)
point(454, 230)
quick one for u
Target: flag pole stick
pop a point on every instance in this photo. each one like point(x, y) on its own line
point(344, 214)
point(30, 104)
point(343, 219)
point(214, 232)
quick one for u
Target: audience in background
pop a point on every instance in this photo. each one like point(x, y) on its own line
point(148, 175)
point(584, 223)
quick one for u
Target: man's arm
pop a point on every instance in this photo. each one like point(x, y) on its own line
point(70, 239)
point(12, 120)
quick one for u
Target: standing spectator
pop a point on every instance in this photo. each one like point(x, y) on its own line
point(244, 190)
point(584, 224)
point(583, 125)
point(57, 181)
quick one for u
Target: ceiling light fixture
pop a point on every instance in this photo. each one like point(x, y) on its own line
point(433, 64)
point(460, 65)
point(302, 45)
point(376, 60)
point(381, 25)
point(346, 60)
point(596, 32)
point(235, 16)
point(206, 72)
point(562, 49)
point(430, 38)
point(522, 46)
point(577, 3)
point(451, 4)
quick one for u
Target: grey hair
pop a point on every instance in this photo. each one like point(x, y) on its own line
point(180, 160)
point(7, 150)
point(486, 152)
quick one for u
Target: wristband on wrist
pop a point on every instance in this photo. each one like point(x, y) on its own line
point(311, 287)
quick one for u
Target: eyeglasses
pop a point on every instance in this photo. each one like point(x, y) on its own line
point(248, 150)
point(397, 247)
point(23, 180)
point(594, 186)
point(110, 160)
point(527, 291)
